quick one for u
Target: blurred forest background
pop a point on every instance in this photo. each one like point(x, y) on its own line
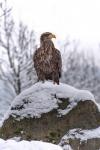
point(17, 45)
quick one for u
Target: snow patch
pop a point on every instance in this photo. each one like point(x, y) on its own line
point(26, 145)
point(82, 135)
point(44, 97)
point(67, 147)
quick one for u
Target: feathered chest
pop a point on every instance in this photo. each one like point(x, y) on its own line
point(45, 56)
point(45, 52)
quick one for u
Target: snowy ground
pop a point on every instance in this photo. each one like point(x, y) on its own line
point(42, 98)
point(26, 145)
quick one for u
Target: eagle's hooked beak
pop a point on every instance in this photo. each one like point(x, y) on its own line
point(52, 36)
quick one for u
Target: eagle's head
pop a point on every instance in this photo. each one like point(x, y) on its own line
point(47, 36)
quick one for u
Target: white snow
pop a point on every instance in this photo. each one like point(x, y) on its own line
point(82, 135)
point(67, 147)
point(26, 145)
point(44, 97)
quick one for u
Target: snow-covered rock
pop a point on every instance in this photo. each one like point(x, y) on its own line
point(46, 112)
point(26, 145)
point(83, 135)
point(83, 139)
point(43, 98)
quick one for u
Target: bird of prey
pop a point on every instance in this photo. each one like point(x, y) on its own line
point(47, 59)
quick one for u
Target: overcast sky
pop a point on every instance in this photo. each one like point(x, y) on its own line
point(79, 19)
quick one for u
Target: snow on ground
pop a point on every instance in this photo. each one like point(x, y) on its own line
point(26, 145)
point(44, 97)
point(82, 135)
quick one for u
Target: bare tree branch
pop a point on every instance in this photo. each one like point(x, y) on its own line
point(16, 45)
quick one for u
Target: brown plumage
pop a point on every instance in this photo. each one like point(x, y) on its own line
point(47, 59)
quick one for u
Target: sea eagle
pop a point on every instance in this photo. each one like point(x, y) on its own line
point(47, 59)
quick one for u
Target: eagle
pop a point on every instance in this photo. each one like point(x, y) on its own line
point(47, 59)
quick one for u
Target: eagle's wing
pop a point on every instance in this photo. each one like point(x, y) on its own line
point(58, 61)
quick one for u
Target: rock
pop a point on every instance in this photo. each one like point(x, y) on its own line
point(90, 144)
point(47, 111)
point(82, 139)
